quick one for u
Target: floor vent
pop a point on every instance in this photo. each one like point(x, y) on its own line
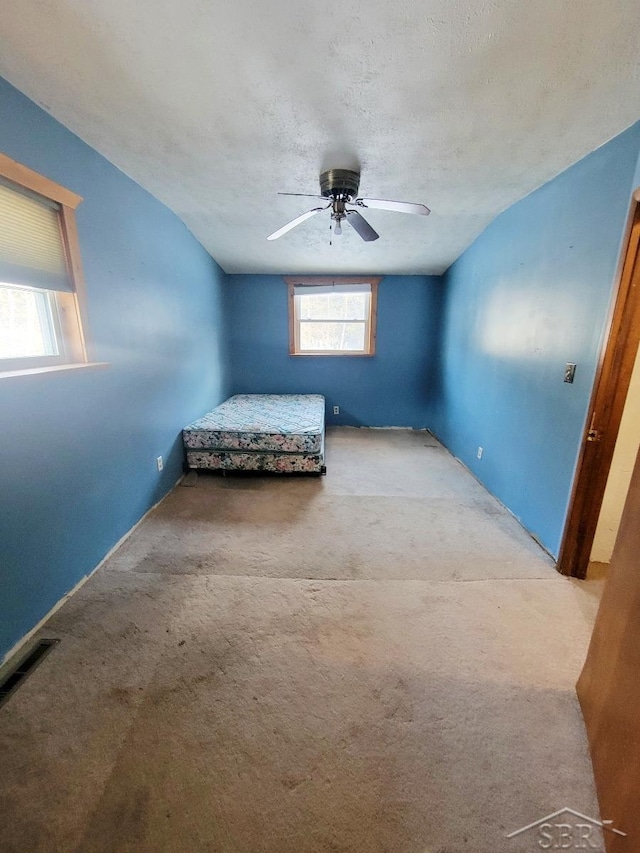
point(24, 667)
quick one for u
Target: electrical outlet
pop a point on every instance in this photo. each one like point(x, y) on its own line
point(480, 452)
point(160, 463)
point(336, 410)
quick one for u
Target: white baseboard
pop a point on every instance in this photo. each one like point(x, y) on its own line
point(16, 648)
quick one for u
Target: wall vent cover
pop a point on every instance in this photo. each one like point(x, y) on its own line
point(16, 674)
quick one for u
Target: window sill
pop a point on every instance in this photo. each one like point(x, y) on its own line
point(58, 368)
point(332, 354)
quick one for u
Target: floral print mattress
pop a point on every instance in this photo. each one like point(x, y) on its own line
point(261, 432)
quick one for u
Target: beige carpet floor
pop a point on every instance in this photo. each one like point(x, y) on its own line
point(377, 660)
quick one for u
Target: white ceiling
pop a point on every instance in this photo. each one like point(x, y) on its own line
point(216, 105)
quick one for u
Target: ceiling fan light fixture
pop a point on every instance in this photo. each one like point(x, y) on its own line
point(339, 187)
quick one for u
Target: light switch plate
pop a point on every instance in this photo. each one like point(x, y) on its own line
point(569, 371)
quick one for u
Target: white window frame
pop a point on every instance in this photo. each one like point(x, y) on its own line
point(342, 282)
point(67, 308)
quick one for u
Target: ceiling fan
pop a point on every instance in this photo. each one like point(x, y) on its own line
point(340, 187)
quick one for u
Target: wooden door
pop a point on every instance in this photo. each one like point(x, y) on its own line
point(605, 411)
point(609, 686)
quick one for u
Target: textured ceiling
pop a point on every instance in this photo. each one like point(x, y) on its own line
point(216, 105)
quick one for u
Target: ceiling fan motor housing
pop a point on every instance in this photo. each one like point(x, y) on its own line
point(339, 184)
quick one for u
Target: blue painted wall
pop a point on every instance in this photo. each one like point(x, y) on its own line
point(530, 294)
point(392, 388)
point(636, 176)
point(78, 451)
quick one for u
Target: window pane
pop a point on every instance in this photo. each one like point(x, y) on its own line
point(333, 306)
point(26, 324)
point(332, 336)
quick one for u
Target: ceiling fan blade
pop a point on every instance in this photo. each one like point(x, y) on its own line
point(304, 195)
point(294, 222)
point(397, 206)
point(360, 224)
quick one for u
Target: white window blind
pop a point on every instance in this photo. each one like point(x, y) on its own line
point(31, 246)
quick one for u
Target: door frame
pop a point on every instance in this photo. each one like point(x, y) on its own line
point(609, 394)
